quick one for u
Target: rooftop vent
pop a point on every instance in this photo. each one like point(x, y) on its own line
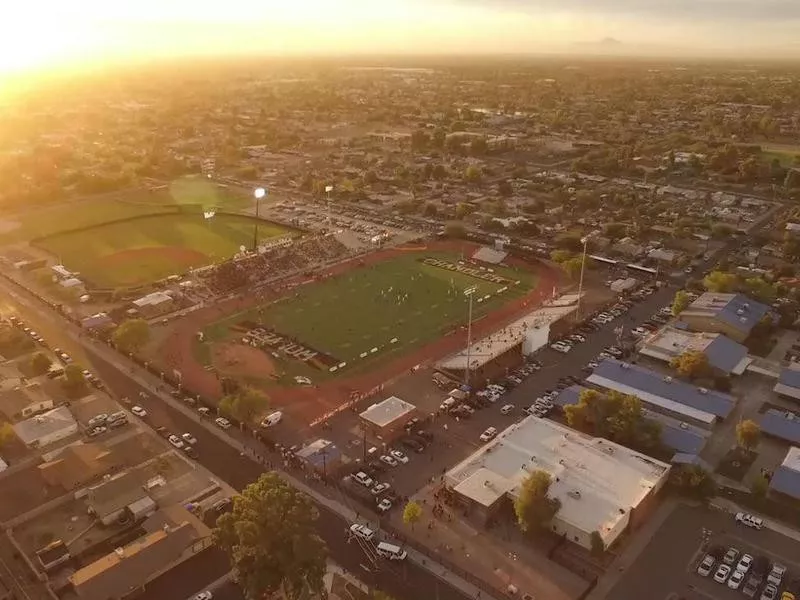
point(574, 494)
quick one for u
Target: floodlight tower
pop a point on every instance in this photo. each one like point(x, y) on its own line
point(469, 293)
point(258, 193)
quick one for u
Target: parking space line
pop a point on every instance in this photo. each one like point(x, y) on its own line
point(769, 553)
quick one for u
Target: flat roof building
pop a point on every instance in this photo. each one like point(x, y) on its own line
point(47, 428)
point(724, 355)
point(781, 424)
point(663, 393)
point(734, 315)
point(786, 478)
point(386, 419)
point(598, 483)
point(789, 383)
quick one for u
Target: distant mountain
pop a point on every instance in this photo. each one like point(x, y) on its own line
point(609, 41)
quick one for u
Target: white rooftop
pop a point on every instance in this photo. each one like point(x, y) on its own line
point(495, 344)
point(385, 412)
point(44, 424)
point(153, 299)
point(792, 460)
point(593, 478)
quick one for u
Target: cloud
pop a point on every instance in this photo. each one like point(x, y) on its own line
point(680, 10)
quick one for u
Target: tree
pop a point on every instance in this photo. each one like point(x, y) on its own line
point(693, 481)
point(473, 173)
point(412, 513)
point(533, 507)
point(680, 302)
point(748, 433)
point(74, 381)
point(720, 281)
point(454, 229)
point(692, 364)
point(572, 267)
point(6, 434)
point(271, 540)
point(245, 404)
point(614, 230)
point(560, 256)
point(760, 487)
point(131, 335)
point(40, 363)
point(761, 290)
point(598, 545)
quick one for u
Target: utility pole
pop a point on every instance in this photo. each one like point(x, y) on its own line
point(259, 193)
point(585, 241)
point(469, 293)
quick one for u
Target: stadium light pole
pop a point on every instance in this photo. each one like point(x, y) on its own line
point(469, 293)
point(258, 193)
point(585, 239)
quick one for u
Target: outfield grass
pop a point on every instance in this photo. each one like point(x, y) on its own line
point(66, 216)
point(126, 253)
point(354, 312)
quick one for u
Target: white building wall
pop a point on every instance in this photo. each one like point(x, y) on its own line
point(535, 338)
point(574, 534)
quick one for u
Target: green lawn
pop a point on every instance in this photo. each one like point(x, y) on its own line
point(66, 216)
point(153, 247)
point(346, 315)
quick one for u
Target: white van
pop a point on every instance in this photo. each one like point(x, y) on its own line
point(391, 551)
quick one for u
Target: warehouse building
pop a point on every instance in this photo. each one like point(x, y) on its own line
point(734, 315)
point(601, 485)
point(724, 355)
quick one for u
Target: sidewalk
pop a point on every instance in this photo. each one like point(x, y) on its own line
point(253, 449)
point(633, 548)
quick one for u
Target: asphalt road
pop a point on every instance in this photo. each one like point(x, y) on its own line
point(405, 582)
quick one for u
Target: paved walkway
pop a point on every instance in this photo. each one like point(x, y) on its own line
point(633, 548)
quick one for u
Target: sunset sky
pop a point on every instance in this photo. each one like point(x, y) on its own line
point(36, 33)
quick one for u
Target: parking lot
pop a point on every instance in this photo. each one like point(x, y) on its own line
point(667, 568)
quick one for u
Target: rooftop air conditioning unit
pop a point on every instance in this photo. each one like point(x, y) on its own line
point(574, 494)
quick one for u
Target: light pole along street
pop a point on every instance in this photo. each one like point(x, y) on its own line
point(469, 293)
point(585, 239)
point(258, 193)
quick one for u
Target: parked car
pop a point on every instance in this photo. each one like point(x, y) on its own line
point(203, 596)
point(380, 488)
point(362, 531)
point(506, 409)
point(384, 505)
point(730, 556)
point(389, 460)
point(706, 565)
point(189, 438)
point(721, 576)
point(744, 564)
point(775, 576)
point(222, 422)
point(363, 479)
point(139, 411)
point(98, 420)
point(175, 441)
point(752, 585)
point(770, 592)
point(736, 579)
point(488, 434)
point(399, 456)
point(749, 520)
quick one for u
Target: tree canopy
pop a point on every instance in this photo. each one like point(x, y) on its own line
point(533, 507)
point(748, 433)
point(412, 513)
point(614, 416)
point(720, 281)
point(692, 364)
point(244, 404)
point(74, 381)
point(680, 302)
point(693, 481)
point(131, 335)
point(6, 434)
point(40, 363)
point(271, 540)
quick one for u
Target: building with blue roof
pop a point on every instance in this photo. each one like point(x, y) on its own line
point(781, 424)
point(663, 393)
point(724, 355)
point(734, 315)
point(675, 435)
point(789, 383)
point(786, 479)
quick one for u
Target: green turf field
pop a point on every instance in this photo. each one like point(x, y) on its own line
point(66, 216)
point(142, 250)
point(354, 312)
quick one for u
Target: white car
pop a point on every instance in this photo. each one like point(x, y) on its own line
point(363, 479)
point(736, 579)
point(139, 411)
point(380, 488)
point(189, 438)
point(272, 420)
point(399, 456)
point(744, 563)
point(563, 348)
point(506, 409)
point(98, 419)
point(222, 422)
point(721, 576)
point(748, 519)
point(203, 596)
point(488, 434)
point(577, 338)
point(175, 441)
point(389, 460)
point(384, 505)
point(704, 570)
point(362, 531)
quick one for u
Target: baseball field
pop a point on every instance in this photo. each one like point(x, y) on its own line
point(143, 249)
